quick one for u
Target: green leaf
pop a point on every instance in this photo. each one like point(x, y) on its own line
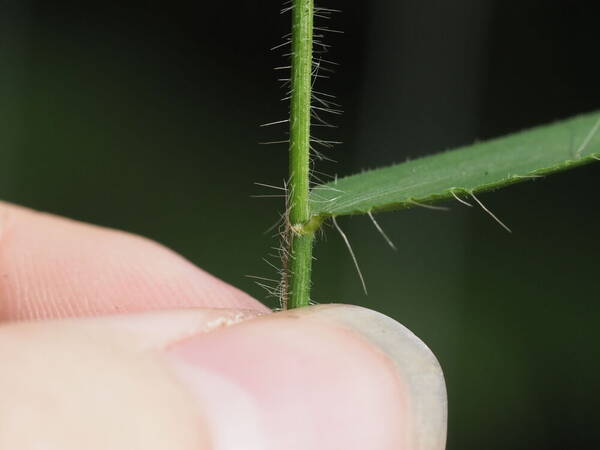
point(480, 167)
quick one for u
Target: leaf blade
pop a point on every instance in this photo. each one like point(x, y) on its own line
point(476, 168)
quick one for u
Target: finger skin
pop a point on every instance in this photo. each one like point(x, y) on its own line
point(302, 384)
point(52, 267)
point(298, 380)
point(68, 387)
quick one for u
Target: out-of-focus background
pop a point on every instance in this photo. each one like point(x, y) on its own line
point(146, 118)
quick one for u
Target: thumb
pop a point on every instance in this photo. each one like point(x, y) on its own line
point(327, 377)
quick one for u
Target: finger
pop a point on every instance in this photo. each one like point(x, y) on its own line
point(51, 267)
point(328, 377)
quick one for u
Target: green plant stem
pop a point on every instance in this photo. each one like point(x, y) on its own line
point(301, 239)
point(300, 271)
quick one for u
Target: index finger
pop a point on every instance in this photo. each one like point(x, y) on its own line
point(53, 267)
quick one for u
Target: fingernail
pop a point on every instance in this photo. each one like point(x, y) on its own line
point(416, 364)
point(320, 378)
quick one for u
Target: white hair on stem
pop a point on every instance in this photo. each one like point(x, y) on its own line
point(383, 234)
point(435, 208)
point(492, 215)
point(345, 238)
point(532, 176)
point(464, 202)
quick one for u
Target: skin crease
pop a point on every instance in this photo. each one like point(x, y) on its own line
point(170, 371)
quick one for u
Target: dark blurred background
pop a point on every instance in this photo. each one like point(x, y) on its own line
point(146, 118)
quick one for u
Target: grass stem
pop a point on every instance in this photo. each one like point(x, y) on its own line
point(301, 240)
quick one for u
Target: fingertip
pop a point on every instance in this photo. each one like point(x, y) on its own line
point(322, 377)
point(325, 377)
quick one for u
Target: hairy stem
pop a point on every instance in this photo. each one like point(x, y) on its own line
point(301, 239)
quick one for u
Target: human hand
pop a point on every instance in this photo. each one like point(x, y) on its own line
point(111, 341)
